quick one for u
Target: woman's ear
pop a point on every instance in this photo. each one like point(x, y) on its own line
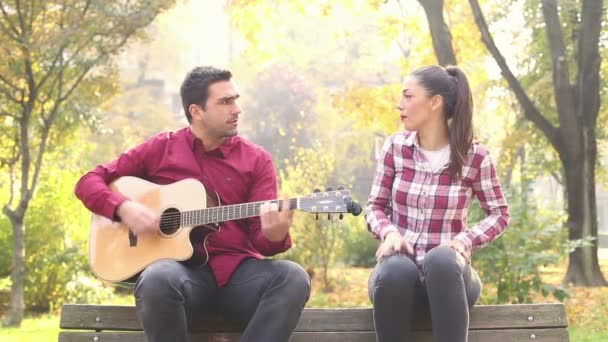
point(436, 102)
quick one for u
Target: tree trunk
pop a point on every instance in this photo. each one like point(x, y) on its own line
point(15, 314)
point(440, 32)
point(583, 266)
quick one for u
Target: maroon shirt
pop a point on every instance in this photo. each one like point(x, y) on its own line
point(239, 171)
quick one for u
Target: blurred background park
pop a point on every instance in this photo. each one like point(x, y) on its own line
point(82, 80)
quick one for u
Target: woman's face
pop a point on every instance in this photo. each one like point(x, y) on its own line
point(416, 105)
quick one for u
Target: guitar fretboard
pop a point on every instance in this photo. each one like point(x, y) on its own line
point(228, 212)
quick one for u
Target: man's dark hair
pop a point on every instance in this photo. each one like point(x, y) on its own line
point(195, 87)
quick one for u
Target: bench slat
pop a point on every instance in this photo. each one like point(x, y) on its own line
point(512, 335)
point(106, 317)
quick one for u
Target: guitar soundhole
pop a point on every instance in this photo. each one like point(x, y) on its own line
point(170, 221)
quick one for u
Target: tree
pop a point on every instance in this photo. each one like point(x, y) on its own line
point(56, 67)
point(573, 134)
point(577, 103)
point(440, 32)
point(279, 106)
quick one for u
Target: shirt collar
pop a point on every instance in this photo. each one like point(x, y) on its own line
point(412, 139)
point(223, 150)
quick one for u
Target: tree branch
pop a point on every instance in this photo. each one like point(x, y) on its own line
point(530, 110)
point(10, 23)
point(7, 114)
point(11, 173)
point(8, 94)
point(46, 128)
point(47, 124)
point(589, 62)
point(25, 161)
point(49, 72)
point(20, 16)
point(7, 31)
point(102, 55)
point(564, 96)
point(440, 33)
point(8, 83)
point(30, 23)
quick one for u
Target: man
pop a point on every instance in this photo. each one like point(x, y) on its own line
point(236, 282)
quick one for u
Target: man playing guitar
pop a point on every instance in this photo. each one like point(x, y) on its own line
point(235, 280)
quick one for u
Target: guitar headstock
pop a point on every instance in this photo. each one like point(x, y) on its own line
point(330, 202)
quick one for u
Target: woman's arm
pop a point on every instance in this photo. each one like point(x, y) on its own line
point(375, 212)
point(486, 188)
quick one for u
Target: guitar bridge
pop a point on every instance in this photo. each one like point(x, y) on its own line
point(132, 238)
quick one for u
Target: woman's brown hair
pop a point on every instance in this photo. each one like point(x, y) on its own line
point(453, 86)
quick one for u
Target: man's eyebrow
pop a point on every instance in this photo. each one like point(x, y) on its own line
point(232, 97)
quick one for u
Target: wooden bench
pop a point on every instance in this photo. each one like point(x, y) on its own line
point(492, 323)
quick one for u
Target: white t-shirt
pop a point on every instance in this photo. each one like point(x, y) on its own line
point(437, 159)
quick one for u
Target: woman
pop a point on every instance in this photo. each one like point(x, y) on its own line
point(425, 180)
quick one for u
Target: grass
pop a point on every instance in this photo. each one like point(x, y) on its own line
point(587, 308)
point(46, 327)
point(41, 328)
point(584, 335)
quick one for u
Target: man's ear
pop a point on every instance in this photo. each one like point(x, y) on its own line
point(195, 111)
point(436, 102)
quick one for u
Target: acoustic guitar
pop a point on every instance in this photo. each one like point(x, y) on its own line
point(188, 214)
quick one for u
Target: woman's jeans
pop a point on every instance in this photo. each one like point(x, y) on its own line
point(446, 287)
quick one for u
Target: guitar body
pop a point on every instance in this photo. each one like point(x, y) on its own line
point(115, 254)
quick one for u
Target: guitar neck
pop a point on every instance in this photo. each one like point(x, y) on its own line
point(229, 212)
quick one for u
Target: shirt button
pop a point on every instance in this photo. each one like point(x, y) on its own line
point(424, 193)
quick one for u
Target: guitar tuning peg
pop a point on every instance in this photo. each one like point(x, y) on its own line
point(316, 190)
point(328, 189)
point(341, 216)
point(340, 187)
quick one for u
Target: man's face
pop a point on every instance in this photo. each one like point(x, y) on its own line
point(220, 116)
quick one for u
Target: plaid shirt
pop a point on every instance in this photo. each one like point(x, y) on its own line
point(430, 209)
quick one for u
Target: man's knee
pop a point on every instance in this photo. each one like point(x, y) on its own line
point(297, 280)
point(158, 278)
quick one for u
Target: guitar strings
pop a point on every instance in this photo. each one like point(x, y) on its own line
point(216, 212)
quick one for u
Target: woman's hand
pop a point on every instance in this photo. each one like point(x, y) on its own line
point(393, 243)
point(459, 247)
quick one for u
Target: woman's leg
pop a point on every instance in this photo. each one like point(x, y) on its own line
point(392, 289)
point(452, 287)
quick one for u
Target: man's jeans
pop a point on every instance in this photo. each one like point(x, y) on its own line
point(268, 295)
